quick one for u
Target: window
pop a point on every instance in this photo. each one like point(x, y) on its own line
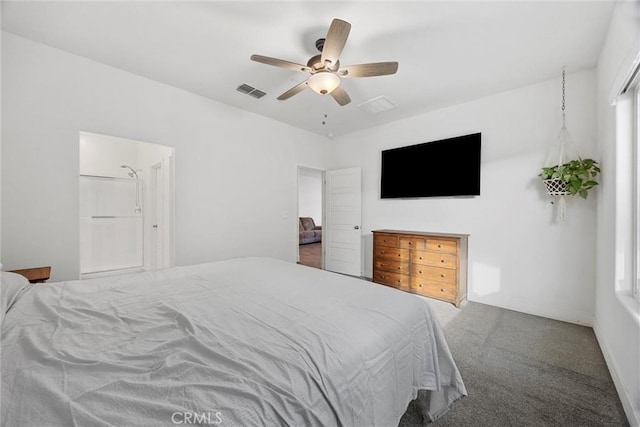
point(627, 170)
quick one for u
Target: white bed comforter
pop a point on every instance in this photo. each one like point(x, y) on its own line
point(252, 341)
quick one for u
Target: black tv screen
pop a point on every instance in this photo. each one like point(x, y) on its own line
point(444, 168)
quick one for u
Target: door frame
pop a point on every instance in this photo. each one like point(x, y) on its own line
point(166, 165)
point(156, 214)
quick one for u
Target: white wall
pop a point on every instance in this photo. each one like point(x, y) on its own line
point(519, 257)
point(236, 172)
point(310, 194)
point(617, 317)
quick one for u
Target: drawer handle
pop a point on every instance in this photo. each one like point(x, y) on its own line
point(439, 246)
point(441, 260)
point(442, 275)
point(441, 290)
point(419, 257)
point(410, 243)
point(420, 284)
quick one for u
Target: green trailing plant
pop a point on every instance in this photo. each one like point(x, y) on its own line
point(577, 175)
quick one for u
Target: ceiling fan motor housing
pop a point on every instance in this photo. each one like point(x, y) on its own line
point(315, 63)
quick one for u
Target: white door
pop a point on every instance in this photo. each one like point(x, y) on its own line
point(342, 236)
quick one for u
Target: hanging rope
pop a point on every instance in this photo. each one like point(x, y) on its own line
point(564, 138)
point(556, 188)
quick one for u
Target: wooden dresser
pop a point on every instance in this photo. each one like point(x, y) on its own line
point(429, 264)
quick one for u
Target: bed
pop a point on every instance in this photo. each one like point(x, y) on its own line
point(244, 342)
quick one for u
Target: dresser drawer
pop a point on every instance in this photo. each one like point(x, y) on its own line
point(447, 246)
point(410, 242)
point(399, 281)
point(385, 240)
point(437, 274)
point(433, 289)
point(391, 253)
point(392, 265)
point(435, 259)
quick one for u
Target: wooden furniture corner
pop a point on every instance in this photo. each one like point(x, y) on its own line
point(35, 274)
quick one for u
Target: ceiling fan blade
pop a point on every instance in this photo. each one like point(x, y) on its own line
point(369, 70)
point(293, 91)
point(279, 63)
point(341, 96)
point(334, 42)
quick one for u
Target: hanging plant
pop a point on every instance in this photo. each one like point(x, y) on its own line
point(574, 178)
point(568, 177)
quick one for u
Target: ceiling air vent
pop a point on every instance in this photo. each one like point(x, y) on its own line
point(250, 90)
point(377, 105)
point(257, 93)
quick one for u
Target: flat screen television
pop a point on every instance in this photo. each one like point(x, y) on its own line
point(444, 168)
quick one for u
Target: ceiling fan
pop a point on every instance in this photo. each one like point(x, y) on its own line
point(325, 69)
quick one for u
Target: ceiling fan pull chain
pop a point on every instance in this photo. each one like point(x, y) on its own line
point(324, 108)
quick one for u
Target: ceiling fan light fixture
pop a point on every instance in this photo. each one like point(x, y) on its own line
point(323, 82)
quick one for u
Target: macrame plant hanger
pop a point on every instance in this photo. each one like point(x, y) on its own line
point(556, 188)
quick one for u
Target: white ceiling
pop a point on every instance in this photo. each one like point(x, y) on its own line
point(449, 52)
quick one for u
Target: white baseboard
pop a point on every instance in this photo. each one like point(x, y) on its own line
point(555, 312)
point(627, 404)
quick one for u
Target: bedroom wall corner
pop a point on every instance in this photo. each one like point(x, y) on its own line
point(517, 250)
point(235, 172)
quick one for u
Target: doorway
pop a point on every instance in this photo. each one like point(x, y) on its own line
point(310, 217)
point(126, 205)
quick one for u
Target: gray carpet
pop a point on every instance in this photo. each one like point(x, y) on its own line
point(523, 370)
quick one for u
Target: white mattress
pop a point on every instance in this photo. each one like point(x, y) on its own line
point(251, 341)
